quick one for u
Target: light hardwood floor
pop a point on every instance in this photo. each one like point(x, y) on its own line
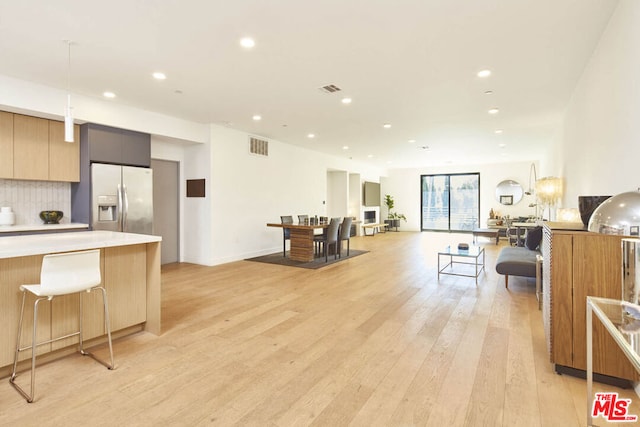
point(371, 341)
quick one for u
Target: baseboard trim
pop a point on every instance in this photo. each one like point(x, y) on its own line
point(604, 379)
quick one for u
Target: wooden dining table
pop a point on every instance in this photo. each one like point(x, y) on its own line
point(301, 239)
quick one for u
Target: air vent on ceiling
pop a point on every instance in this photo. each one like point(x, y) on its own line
point(330, 89)
point(258, 146)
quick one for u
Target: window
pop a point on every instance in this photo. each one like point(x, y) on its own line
point(450, 202)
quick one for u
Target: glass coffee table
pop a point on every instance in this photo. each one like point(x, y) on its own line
point(471, 257)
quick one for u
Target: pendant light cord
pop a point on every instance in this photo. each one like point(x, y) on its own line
point(69, 68)
point(68, 117)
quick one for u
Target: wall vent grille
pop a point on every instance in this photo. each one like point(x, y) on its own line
point(330, 89)
point(258, 146)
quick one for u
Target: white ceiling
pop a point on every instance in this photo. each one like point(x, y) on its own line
point(411, 63)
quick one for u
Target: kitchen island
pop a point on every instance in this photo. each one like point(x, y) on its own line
point(130, 266)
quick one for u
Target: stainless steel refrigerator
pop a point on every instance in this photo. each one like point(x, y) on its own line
point(122, 198)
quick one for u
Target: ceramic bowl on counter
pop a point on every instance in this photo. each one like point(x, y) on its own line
point(51, 217)
point(7, 217)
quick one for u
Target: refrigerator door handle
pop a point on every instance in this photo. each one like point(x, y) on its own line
point(125, 211)
point(120, 207)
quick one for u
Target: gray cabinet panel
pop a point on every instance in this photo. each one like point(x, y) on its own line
point(104, 144)
point(118, 146)
point(136, 148)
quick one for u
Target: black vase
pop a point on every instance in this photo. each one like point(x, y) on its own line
point(588, 204)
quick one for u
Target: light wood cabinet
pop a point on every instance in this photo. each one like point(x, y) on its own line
point(30, 147)
point(578, 264)
point(6, 145)
point(34, 149)
point(125, 279)
point(64, 157)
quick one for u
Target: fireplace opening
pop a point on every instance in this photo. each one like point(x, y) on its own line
point(369, 217)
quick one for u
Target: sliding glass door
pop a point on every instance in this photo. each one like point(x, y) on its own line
point(450, 202)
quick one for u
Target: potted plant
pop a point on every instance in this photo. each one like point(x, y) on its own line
point(393, 218)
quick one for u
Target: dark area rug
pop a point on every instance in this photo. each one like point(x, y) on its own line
point(318, 262)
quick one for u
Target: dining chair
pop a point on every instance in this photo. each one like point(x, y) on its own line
point(345, 234)
point(302, 218)
point(319, 239)
point(286, 232)
point(331, 238)
point(61, 274)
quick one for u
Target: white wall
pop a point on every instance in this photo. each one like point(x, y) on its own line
point(355, 196)
point(337, 194)
point(404, 186)
point(248, 191)
point(601, 139)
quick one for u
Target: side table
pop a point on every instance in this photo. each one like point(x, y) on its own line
point(610, 313)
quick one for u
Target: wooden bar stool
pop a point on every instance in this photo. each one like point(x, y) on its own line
point(62, 274)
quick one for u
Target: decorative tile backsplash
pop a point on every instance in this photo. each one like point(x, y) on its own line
point(28, 198)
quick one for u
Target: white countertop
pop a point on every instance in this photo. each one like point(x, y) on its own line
point(39, 244)
point(41, 227)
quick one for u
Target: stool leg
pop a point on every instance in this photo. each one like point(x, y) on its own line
point(80, 317)
point(34, 346)
point(15, 359)
point(107, 324)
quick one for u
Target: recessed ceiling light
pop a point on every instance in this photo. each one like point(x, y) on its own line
point(389, 162)
point(257, 117)
point(311, 135)
point(498, 131)
point(109, 94)
point(247, 42)
point(502, 145)
point(159, 76)
point(412, 141)
point(370, 156)
point(493, 111)
point(346, 100)
point(345, 147)
point(386, 125)
point(484, 73)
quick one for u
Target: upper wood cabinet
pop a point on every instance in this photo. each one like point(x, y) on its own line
point(34, 149)
point(6, 145)
point(64, 157)
point(30, 148)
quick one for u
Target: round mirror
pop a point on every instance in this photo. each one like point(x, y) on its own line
point(509, 192)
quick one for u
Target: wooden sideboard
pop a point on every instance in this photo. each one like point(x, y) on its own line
point(578, 264)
